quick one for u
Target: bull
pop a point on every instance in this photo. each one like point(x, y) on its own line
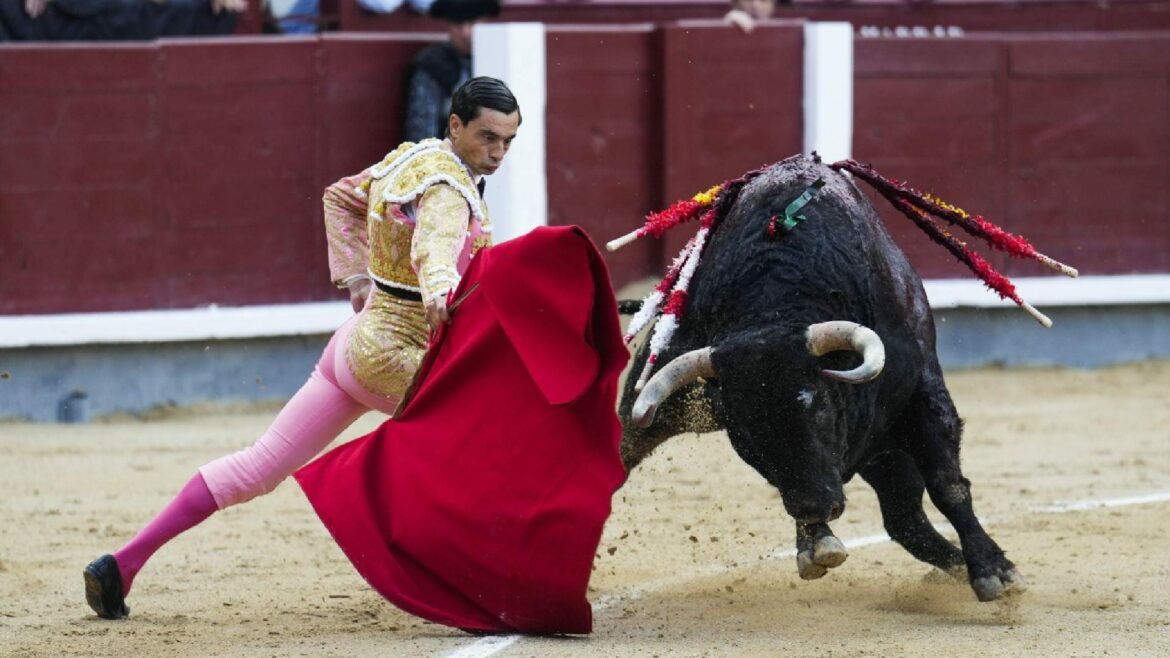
point(815, 351)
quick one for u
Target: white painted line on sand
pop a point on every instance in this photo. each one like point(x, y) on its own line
point(1079, 505)
point(489, 646)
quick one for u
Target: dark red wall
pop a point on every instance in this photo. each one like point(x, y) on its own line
point(604, 135)
point(632, 131)
point(79, 168)
point(186, 173)
point(1065, 139)
point(734, 104)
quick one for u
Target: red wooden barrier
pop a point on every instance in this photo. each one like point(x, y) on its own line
point(733, 103)
point(604, 125)
point(1063, 138)
point(184, 173)
point(971, 15)
point(78, 207)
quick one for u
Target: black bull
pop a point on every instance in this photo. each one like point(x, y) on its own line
point(741, 361)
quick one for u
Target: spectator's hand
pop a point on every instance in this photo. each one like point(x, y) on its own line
point(436, 309)
point(740, 19)
point(359, 292)
point(35, 8)
point(234, 6)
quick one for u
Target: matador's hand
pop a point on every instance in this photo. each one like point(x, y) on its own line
point(359, 292)
point(436, 309)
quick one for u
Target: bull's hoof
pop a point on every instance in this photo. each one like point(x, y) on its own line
point(827, 553)
point(995, 587)
point(808, 569)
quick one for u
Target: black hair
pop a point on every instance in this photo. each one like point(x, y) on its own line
point(464, 11)
point(481, 92)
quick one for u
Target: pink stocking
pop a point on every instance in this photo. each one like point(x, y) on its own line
point(188, 509)
point(316, 415)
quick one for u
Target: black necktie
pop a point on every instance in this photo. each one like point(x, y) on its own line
point(481, 184)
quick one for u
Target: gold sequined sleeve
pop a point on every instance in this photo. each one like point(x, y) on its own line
point(439, 236)
point(345, 229)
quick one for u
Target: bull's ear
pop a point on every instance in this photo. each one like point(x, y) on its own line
point(542, 290)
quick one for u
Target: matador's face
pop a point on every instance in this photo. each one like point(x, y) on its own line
point(483, 142)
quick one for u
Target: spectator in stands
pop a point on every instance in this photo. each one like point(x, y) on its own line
point(115, 20)
point(387, 6)
point(745, 13)
point(440, 68)
point(297, 16)
point(304, 16)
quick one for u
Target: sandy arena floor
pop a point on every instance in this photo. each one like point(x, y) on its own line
point(695, 561)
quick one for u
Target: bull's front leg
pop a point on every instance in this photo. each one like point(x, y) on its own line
point(935, 448)
point(899, 487)
point(817, 550)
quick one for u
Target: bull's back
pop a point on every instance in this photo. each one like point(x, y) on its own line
point(838, 263)
point(823, 269)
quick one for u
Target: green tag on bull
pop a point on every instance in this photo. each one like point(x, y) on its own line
point(791, 219)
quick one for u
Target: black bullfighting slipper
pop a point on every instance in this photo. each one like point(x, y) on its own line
point(103, 588)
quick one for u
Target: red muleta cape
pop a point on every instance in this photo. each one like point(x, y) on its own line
point(481, 505)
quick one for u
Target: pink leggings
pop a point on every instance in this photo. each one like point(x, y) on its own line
point(320, 411)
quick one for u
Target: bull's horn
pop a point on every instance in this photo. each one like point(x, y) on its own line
point(825, 337)
point(678, 373)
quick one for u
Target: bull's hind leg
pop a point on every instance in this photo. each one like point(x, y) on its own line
point(817, 550)
point(934, 444)
point(899, 488)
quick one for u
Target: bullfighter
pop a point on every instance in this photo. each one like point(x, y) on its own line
point(400, 235)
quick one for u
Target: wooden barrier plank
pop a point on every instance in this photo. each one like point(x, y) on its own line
point(733, 102)
point(254, 206)
point(228, 109)
point(1091, 56)
point(363, 84)
point(74, 67)
point(966, 139)
point(931, 112)
point(756, 119)
point(281, 151)
point(156, 183)
point(55, 275)
point(70, 116)
point(214, 62)
point(115, 213)
point(603, 140)
point(100, 162)
point(1093, 118)
point(947, 58)
point(891, 97)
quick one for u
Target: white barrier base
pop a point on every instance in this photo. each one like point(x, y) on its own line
point(315, 318)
